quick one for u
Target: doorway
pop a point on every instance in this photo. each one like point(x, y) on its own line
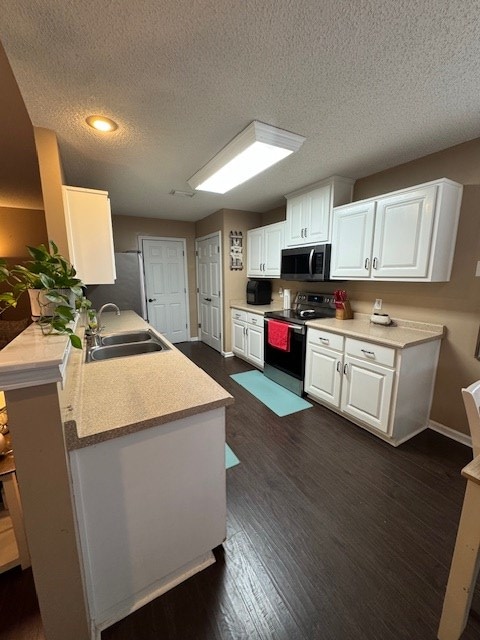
point(209, 288)
point(164, 265)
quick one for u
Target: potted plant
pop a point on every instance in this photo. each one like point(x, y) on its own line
point(53, 288)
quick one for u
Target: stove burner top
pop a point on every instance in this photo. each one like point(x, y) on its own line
point(307, 306)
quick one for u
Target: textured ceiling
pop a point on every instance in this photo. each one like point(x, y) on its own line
point(370, 84)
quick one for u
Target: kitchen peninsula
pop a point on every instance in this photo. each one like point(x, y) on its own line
point(127, 460)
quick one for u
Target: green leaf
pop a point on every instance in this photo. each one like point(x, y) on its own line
point(54, 246)
point(76, 342)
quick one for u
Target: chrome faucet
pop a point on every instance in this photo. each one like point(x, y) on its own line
point(102, 309)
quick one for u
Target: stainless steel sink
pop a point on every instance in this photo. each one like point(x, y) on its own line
point(127, 337)
point(121, 345)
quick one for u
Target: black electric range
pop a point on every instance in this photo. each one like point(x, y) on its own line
point(307, 306)
point(287, 366)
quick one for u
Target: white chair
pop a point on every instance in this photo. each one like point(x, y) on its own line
point(466, 555)
point(471, 399)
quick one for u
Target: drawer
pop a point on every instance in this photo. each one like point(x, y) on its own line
point(239, 315)
point(369, 351)
point(255, 319)
point(325, 339)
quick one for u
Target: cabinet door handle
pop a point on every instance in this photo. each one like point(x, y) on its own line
point(339, 366)
point(375, 263)
point(368, 353)
point(345, 369)
point(246, 331)
point(306, 232)
point(367, 263)
point(301, 233)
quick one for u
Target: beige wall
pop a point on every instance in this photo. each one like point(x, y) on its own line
point(126, 230)
point(274, 215)
point(19, 176)
point(51, 175)
point(19, 228)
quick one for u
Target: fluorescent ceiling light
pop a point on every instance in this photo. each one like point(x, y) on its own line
point(256, 148)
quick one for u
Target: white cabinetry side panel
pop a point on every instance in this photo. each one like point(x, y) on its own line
point(89, 232)
point(147, 504)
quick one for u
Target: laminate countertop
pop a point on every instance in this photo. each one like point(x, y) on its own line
point(261, 309)
point(111, 398)
point(400, 334)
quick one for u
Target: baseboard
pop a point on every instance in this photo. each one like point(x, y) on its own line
point(194, 339)
point(123, 609)
point(450, 433)
point(227, 354)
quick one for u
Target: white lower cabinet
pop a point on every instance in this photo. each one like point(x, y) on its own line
point(385, 390)
point(367, 392)
point(247, 336)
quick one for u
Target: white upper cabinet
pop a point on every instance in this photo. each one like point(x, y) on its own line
point(264, 251)
point(405, 235)
point(89, 232)
point(309, 210)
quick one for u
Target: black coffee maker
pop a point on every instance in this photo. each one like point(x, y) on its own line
point(259, 292)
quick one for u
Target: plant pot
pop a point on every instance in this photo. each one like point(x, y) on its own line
point(39, 304)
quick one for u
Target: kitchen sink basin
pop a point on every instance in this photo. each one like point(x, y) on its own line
point(127, 337)
point(121, 345)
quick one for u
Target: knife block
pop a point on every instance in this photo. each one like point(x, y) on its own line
point(345, 313)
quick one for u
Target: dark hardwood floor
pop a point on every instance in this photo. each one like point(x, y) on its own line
point(332, 535)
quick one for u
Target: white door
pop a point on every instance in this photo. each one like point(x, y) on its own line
point(367, 392)
point(255, 344)
point(273, 245)
point(352, 239)
point(239, 337)
point(318, 229)
point(255, 239)
point(323, 374)
point(296, 223)
point(403, 234)
point(165, 287)
point(209, 291)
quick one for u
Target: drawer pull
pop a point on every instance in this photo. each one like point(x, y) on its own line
point(324, 340)
point(368, 353)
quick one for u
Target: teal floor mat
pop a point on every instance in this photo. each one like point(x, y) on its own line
point(280, 400)
point(230, 458)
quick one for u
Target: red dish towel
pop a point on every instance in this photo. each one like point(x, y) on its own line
point(279, 335)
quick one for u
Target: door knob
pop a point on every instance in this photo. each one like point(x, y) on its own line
point(152, 299)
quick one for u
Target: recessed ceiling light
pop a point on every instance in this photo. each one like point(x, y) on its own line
point(101, 123)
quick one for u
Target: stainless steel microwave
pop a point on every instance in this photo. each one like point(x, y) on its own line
point(308, 264)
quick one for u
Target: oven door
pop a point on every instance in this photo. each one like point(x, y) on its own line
point(287, 368)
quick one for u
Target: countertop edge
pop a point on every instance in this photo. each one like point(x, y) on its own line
point(417, 335)
point(74, 441)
